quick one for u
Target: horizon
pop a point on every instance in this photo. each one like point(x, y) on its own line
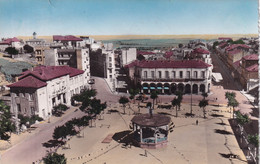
point(111, 17)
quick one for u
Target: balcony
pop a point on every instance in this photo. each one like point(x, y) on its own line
point(171, 79)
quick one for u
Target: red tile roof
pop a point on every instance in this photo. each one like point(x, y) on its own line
point(253, 68)
point(46, 73)
point(66, 38)
point(223, 45)
point(10, 40)
point(200, 51)
point(168, 64)
point(234, 46)
point(237, 63)
point(29, 82)
point(145, 53)
point(251, 57)
point(236, 51)
point(168, 54)
point(222, 38)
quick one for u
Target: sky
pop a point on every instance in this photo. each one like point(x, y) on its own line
point(127, 17)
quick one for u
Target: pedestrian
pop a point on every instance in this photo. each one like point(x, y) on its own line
point(197, 122)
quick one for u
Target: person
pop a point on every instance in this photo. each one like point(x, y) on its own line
point(197, 122)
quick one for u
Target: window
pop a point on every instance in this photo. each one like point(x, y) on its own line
point(173, 74)
point(110, 71)
point(110, 76)
point(145, 74)
point(195, 74)
point(203, 74)
point(110, 59)
point(188, 74)
point(110, 64)
point(167, 74)
point(58, 97)
point(19, 107)
point(152, 74)
point(181, 74)
point(160, 74)
point(30, 96)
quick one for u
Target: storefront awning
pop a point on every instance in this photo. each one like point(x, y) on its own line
point(166, 87)
point(152, 87)
point(159, 87)
point(145, 87)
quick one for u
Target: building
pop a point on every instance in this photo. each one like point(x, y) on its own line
point(35, 41)
point(11, 42)
point(128, 55)
point(68, 40)
point(249, 71)
point(40, 89)
point(39, 54)
point(168, 76)
point(76, 58)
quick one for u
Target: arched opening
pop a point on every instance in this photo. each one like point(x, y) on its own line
point(159, 88)
point(167, 88)
point(152, 87)
point(195, 88)
point(208, 88)
point(181, 87)
point(202, 88)
point(173, 88)
point(145, 88)
point(187, 88)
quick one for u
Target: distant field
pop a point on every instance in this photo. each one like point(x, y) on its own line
point(129, 37)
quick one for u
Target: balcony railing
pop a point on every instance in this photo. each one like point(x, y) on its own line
point(170, 79)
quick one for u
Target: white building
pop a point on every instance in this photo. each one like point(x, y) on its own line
point(11, 42)
point(169, 76)
point(128, 55)
point(40, 89)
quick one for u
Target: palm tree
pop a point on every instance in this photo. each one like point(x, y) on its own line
point(175, 103)
point(232, 102)
point(242, 119)
point(123, 100)
point(154, 95)
point(202, 104)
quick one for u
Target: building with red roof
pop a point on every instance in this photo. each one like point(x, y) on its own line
point(39, 89)
point(67, 40)
point(10, 42)
point(169, 76)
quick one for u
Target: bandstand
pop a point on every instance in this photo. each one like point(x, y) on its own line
point(151, 131)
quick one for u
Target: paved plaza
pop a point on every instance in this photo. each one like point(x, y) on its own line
point(211, 141)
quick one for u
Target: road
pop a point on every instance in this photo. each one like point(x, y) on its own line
point(31, 149)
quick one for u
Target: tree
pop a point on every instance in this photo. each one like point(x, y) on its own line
point(6, 124)
point(230, 95)
point(254, 140)
point(202, 104)
point(140, 57)
point(84, 97)
point(204, 95)
point(242, 119)
point(179, 98)
point(232, 102)
point(154, 95)
point(149, 105)
point(11, 51)
point(123, 100)
point(139, 98)
point(133, 93)
point(59, 109)
point(175, 103)
point(55, 158)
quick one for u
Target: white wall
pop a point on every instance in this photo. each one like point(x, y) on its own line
point(128, 55)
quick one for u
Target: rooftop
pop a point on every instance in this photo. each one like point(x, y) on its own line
point(253, 68)
point(169, 64)
point(234, 46)
point(10, 40)
point(200, 51)
point(46, 73)
point(29, 82)
point(251, 57)
point(155, 121)
point(66, 38)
